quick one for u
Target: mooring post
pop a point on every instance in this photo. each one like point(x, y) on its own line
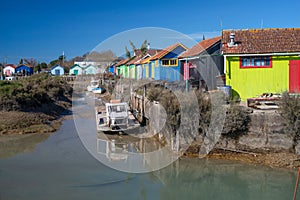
point(186, 76)
point(297, 183)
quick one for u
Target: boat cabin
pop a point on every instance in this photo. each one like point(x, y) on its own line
point(117, 115)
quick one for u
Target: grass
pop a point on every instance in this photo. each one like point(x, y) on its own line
point(32, 92)
point(28, 105)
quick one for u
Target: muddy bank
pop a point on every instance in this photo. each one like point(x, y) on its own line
point(20, 122)
point(265, 143)
point(44, 119)
point(281, 160)
point(33, 104)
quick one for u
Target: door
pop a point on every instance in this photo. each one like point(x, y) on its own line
point(294, 76)
point(76, 72)
point(57, 72)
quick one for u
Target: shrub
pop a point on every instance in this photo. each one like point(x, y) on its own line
point(237, 122)
point(32, 92)
point(154, 93)
point(290, 111)
point(237, 117)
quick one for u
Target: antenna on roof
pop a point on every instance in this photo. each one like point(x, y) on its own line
point(221, 24)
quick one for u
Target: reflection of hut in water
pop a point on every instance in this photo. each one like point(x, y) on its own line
point(112, 150)
point(141, 154)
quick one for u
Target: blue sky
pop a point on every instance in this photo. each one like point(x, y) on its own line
point(44, 29)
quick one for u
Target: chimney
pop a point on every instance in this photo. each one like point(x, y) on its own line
point(148, 46)
point(232, 42)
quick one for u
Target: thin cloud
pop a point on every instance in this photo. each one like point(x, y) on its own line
point(195, 36)
point(199, 35)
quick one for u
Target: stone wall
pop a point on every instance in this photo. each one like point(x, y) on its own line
point(266, 134)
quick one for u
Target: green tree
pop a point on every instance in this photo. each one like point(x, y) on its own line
point(62, 58)
point(37, 68)
point(132, 45)
point(128, 55)
point(67, 69)
point(144, 48)
point(52, 63)
point(43, 65)
point(21, 62)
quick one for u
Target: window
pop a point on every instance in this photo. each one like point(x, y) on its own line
point(173, 62)
point(169, 62)
point(165, 62)
point(256, 62)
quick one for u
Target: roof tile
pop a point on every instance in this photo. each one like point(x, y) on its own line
point(274, 40)
point(166, 50)
point(200, 47)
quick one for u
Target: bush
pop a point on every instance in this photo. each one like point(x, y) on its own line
point(290, 111)
point(154, 93)
point(237, 122)
point(32, 92)
point(237, 117)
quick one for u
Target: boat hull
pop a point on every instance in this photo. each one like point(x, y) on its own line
point(98, 90)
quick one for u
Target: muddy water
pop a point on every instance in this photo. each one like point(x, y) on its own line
point(59, 167)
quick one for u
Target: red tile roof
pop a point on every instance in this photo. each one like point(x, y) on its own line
point(138, 53)
point(10, 65)
point(139, 59)
point(135, 59)
point(152, 52)
point(200, 47)
point(122, 62)
point(255, 41)
point(167, 50)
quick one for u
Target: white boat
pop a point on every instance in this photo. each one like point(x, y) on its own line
point(98, 90)
point(93, 85)
point(115, 117)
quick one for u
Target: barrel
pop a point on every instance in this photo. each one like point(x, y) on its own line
point(226, 90)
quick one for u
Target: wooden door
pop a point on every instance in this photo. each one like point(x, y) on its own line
point(294, 76)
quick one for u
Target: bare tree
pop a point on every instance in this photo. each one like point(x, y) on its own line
point(104, 59)
point(31, 62)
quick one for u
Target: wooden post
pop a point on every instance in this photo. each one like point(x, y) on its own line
point(186, 76)
point(297, 183)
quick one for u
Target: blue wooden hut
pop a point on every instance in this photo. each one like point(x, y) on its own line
point(165, 64)
point(24, 70)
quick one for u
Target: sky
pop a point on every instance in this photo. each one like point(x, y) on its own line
point(44, 29)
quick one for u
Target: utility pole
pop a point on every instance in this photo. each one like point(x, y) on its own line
point(63, 58)
point(186, 76)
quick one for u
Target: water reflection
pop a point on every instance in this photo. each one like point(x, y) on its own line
point(130, 153)
point(213, 179)
point(61, 168)
point(11, 145)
